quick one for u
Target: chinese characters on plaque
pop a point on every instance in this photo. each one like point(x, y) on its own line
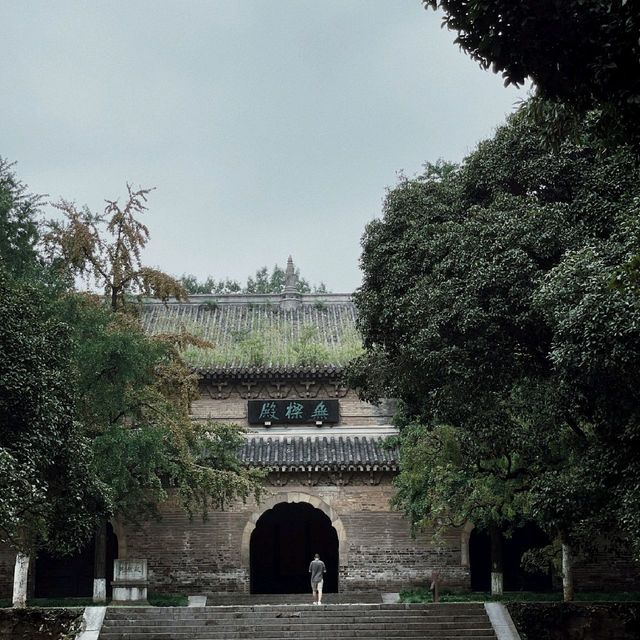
point(293, 411)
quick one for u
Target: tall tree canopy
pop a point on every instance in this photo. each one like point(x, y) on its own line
point(136, 389)
point(18, 222)
point(49, 494)
point(582, 54)
point(488, 308)
point(262, 282)
point(108, 246)
point(94, 413)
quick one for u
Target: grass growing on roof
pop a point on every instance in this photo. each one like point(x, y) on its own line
point(245, 335)
point(275, 346)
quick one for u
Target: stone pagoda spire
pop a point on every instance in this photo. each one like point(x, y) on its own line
point(290, 278)
point(291, 299)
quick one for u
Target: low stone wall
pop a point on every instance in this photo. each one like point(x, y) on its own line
point(39, 624)
point(576, 621)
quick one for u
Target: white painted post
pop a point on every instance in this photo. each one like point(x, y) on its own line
point(496, 561)
point(99, 589)
point(100, 564)
point(20, 577)
point(496, 583)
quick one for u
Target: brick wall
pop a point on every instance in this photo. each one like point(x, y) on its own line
point(607, 571)
point(193, 556)
point(7, 563)
point(383, 556)
point(190, 556)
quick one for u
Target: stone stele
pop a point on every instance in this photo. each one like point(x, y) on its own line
point(130, 581)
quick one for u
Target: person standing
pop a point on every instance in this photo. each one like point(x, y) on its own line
point(317, 571)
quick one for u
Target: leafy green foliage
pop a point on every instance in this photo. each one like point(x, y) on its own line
point(579, 55)
point(50, 496)
point(619, 618)
point(108, 247)
point(262, 282)
point(18, 224)
point(166, 600)
point(135, 390)
point(41, 623)
point(445, 482)
point(192, 285)
point(115, 362)
point(134, 398)
point(487, 308)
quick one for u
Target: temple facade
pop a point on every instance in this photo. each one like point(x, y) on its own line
point(276, 369)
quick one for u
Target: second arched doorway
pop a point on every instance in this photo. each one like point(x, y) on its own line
point(283, 543)
point(515, 577)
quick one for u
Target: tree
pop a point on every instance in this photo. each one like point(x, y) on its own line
point(262, 282)
point(50, 497)
point(109, 246)
point(135, 393)
point(210, 285)
point(18, 224)
point(580, 55)
point(450, 478)
point(136, 389)
point(487, 308)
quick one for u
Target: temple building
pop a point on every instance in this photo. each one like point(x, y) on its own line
point(276, 369)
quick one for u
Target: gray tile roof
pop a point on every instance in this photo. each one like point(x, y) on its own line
point(250, 333)
point(320, 453)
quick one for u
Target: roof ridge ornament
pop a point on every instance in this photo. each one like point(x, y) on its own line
point(291, 298)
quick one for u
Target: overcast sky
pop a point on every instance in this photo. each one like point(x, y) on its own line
point(269, 127)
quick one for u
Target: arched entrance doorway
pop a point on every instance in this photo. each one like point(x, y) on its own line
point(283, 544)
point(72, 576)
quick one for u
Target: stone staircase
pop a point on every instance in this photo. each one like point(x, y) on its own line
point(444, 621)
point(245, 599)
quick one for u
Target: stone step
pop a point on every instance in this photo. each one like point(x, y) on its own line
point(443, 621)
point(291, 613)
point(353, 605)
point(376, 636)
point(253, 620)
point(342, 620)
point(442, 608)
point(309, 631)
point(368, 597)
point(285, 634)
point(308, 625)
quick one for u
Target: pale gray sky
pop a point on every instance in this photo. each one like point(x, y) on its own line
point(269, 127)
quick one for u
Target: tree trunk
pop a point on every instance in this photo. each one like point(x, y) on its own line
point(567, 572)
point(496, 561)
point(20, 578)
